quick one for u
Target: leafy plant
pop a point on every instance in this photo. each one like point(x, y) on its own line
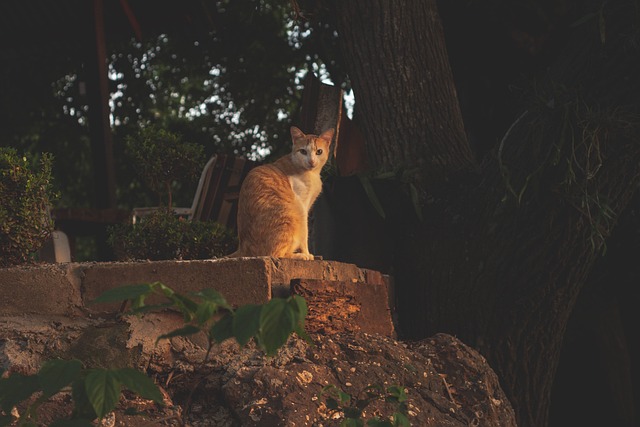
point(164, 235)
point(270, 324)
point(338, 401)
point(95, 392)
point(26, 194)
point(162, 158)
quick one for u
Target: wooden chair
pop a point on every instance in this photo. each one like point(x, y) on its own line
point(56, 249)
point(216, 197)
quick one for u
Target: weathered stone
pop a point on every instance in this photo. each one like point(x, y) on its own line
point(69, 288)
point(338, 306)
point(446, 382)
point(53, 289)
point(241, 282)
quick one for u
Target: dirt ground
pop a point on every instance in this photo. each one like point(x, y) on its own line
point(446, 383)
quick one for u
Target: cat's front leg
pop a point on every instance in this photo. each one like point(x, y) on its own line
point(304, 248)
point(301, 248)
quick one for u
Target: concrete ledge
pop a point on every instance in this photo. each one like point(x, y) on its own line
point(52, 289)
point(241, 282)
point(68, 289)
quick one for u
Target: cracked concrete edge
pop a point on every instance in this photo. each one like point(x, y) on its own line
point(33, 289)
point(284, 270)
point(69, 288)
point(240, 281)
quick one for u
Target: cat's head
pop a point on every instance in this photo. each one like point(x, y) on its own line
point(310, 151)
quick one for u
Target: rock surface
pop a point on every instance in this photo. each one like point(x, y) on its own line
point(45, 313)
point(446, 382)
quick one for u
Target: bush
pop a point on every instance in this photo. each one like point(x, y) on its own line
point(163, 235)
point(161, 157)
point(25, 197)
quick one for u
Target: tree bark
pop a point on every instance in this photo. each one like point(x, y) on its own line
point(406, 98)
point(502, 253)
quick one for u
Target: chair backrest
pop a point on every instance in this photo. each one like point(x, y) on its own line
point(56, 248)
point(216, 198)
point(203, 184)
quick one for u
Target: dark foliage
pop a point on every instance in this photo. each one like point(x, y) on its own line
point(161, 157)
point(25, 196)
point(163, 235)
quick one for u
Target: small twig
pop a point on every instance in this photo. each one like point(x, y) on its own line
point(187, 403)
point(169, 378)
point(448, 387)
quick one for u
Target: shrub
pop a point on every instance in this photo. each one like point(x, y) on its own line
point(25, 197)
point(163, 235)
point(161, 157)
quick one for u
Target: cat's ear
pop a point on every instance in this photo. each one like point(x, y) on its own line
point(296, 133)
point(327, 135)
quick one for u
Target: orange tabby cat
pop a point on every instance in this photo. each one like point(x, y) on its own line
point(275, 200)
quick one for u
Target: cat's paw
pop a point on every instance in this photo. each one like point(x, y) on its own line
point(304, 256)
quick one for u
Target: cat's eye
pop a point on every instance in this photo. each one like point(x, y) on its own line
point(319, 152)
point(303, 151)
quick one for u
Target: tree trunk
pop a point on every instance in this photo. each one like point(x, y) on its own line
point(397, 62)
point(503, 251)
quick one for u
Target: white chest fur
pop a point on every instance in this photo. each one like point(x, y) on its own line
point(306, 188)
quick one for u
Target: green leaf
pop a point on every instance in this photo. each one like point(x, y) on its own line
point(371, 194)
point(103, 390)
point(205, 311)
point(187, 306)
point(276, 324)
point(299, 330)
point(352, 420)
point(400, 420)
point(137, 303)
point(377, 422)
point(246, 322)
point(123, 293)
point(163, 289)
point(139, 383)
point(362, 403)
point(397, 393)
point(213, 296)
point(15, 389)
point(299, 305)
point(343, 397)
point(82, 405)
point(332, 404)
point(185, 331)
point(222, 329)
point(335, 393)
point(57, 374)
point(147, 308)
point(374, 390)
